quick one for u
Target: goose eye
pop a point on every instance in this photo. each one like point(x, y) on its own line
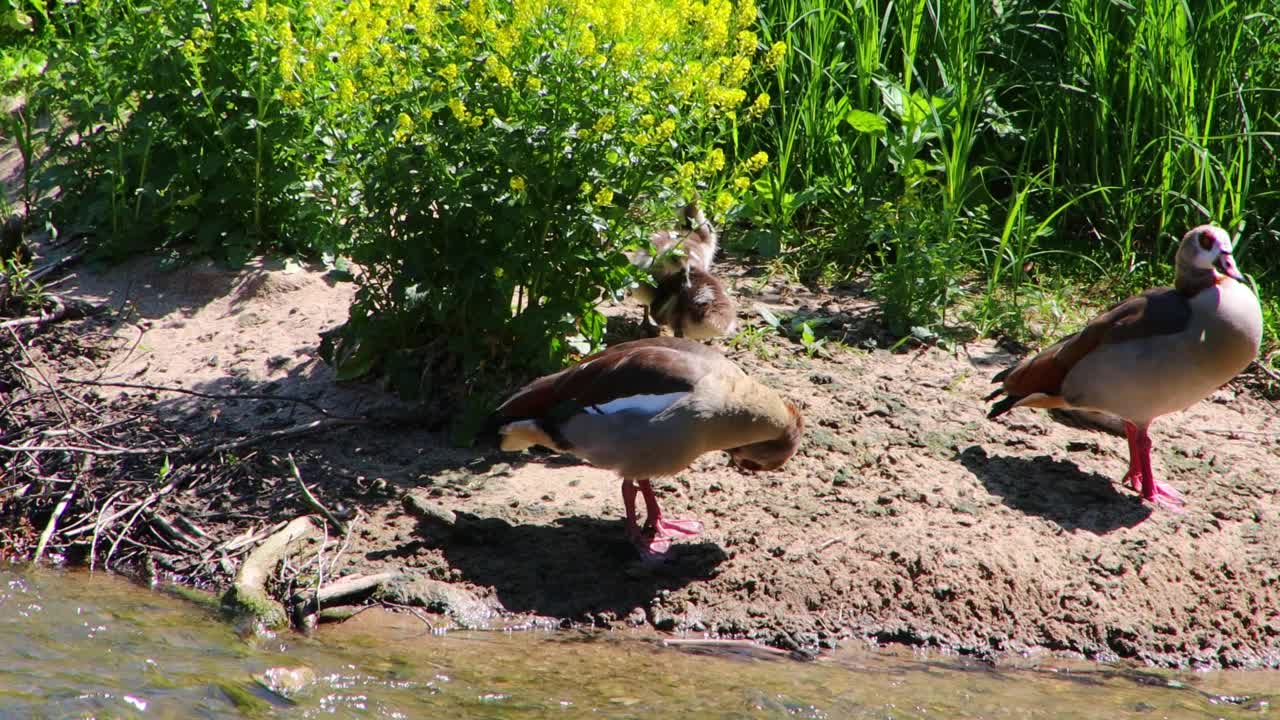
point(1206, 241)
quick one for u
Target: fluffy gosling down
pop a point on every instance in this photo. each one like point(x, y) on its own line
point(687, 297)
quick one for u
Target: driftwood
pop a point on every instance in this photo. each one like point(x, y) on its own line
point(247, 597)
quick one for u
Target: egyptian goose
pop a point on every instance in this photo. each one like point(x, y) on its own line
point(692, 303)
point(1152, 354)
point(687, 297)
point(648, 408)
point(696, 239)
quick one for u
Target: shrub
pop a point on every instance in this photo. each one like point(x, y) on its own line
point(486, 162)
point(173, 130)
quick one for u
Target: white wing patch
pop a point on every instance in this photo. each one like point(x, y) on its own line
point(643, 404)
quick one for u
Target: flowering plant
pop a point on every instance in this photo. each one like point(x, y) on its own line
point(486, 159)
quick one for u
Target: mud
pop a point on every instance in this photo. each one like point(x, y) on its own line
point(906, 517)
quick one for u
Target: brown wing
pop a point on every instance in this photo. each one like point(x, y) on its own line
point(652, 366)
point(1162, 311)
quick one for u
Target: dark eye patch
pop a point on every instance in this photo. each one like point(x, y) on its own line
point(1206, 241)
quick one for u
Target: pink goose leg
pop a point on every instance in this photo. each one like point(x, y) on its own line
point(655, 538)
point(1154, 490)
point(629, 504)
point(1134, 475)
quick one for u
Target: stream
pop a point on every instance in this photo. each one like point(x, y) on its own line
point(79, 646)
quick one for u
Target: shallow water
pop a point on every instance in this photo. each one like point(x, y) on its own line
point(72, 645)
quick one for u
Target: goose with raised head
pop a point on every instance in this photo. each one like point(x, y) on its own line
point(1153, 354)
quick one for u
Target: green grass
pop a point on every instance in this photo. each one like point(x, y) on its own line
point(942, 138)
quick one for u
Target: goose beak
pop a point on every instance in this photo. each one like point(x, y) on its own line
point(1227, 265)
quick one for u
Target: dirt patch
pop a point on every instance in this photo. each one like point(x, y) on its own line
point(906, 516)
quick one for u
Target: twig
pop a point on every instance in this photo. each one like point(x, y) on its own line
point(294, 431)
point(345, 588)
point(826, 545)
point(311, 499)
point(52, 526)
point(66, 416)
point(175, 534)
point(411, 610)
point(134, 518)
point(212, 396)
point(1236, 433)
point(72, 259)
point(139, 506)
point(1270, 373)
point(58, 312)
point(97, 529)
point(249, 537)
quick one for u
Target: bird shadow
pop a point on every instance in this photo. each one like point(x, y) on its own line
point(1057, 490)
point(572, 567)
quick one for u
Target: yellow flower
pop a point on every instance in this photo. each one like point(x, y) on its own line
point(714, 162)
point(665, 130)
point(742, 183)
point(723, 201)
point(605, 123)
point(500, 72)
point(533, 83)
point(292, 98)
point(505, 41)
point(585, 188)
point(746, 42)
point(586, 41)
point(459, 109)
point(346, 91)
point(404, 127)
point(756, 162)
point(760, 105)
point(776, 53)
point(449, 72)
point(737, 71)
point(604, 197)
point(518, 184)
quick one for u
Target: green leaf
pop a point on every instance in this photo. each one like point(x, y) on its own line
point(768, 316)
point(866, 122)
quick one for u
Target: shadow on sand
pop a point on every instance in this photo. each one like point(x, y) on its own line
point(1056, 490)
point(574, 566)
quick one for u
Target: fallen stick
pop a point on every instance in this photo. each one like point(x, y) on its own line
point(140, 505)
point(58, 312)
point(211, 396)
point(248, 537)
point(724, 642)
point(311, 499)
point(197, 450)
point(52, 526)
point(247, 596)
point(345, 588)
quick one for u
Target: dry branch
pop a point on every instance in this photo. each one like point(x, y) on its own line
point(248, 596)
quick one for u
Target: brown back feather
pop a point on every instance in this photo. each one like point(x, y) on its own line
point(652, 366)
point(1160, 311)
